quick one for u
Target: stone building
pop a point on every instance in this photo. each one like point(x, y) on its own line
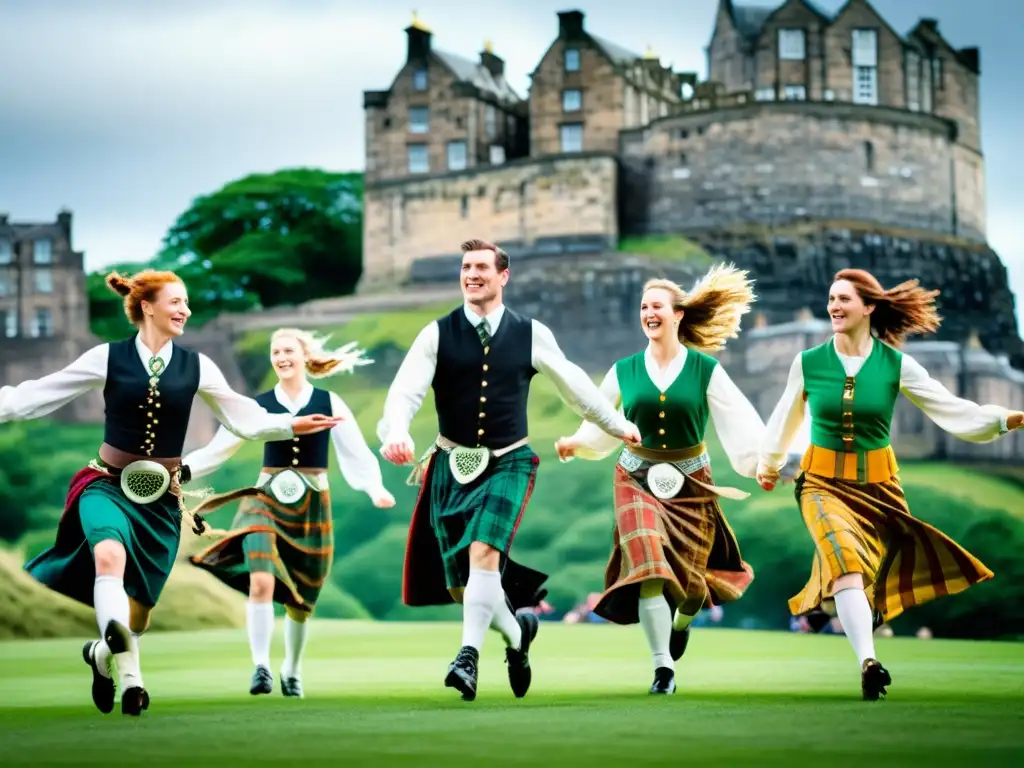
point(44, 311)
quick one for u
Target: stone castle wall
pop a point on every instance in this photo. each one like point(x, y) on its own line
point(778, 162)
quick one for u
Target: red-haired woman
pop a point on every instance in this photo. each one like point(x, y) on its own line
point(281, 543)
point(118, 537)
point(873, 559)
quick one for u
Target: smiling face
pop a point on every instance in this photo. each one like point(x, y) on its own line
point(846, 309)
point(287, 357)
point(168, 311)
point(657, 317)
point(481, 280)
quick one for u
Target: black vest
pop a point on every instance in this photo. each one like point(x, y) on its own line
point(302, 450)
point(481, 395)
point(145, 421)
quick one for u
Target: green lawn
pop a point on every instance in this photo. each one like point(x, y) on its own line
point(375, 696)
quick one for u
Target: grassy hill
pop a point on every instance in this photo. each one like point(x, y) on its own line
point(567, 528)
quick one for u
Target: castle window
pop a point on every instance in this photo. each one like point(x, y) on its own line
point(419, 119)
point(937, 73)
point(869, 156)
point(457, 156)
point(497, 154)
point(865, 66)
point(5, 285)
point(764, 94)
point(913, 66)
point(387, 122)
point(42, 252)
point(572, 60)
point(6, 253)
point(927, 92)
point(458, 122)
point(43, 280)
point(572, 100)
point(795, 93)
point(42, 324)
point(10, 317)
point(571, 135)
point(419, 80)
point(464, 206)
point(490, 121)
point(792, 46)
point(419, 161)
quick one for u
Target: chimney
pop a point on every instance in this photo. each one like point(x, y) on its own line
point(3, 219)
point(494, 64)
point(419, 40)
point(932, 24)
point(570, 24)
point(64, 222)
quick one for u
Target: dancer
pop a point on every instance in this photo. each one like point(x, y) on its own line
point(118, 537)
point(873, 559)
point(281, 545)
point(478, 475)
point(673, 550)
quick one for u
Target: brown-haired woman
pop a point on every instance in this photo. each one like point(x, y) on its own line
point(673, 547)
point(873, 559)
point(118, 537)
point(281, 544)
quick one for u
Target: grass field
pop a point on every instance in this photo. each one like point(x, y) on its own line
point(374, 695)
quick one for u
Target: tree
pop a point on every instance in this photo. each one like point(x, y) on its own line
point(279, 238)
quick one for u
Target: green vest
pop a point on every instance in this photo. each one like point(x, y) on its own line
point(866, 400)
point(675, 418)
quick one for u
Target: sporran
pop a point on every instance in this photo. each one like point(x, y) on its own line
point(287, 486)
point(665, 480)
point(467, 464)
point(144, 481)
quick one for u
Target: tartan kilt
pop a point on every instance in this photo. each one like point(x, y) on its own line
point(449, 516)
point(294, 542)
point(868, 529)
point(685, 541)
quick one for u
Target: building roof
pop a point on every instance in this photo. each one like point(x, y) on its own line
point(476, 74)
point(614, 51)
point(750, 19)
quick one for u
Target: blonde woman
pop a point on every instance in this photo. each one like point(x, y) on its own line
point(873, 559)
point(673, 549)
point(119, 534)
point(281, 544)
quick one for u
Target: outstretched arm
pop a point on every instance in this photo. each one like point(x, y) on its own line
point(739, 427)
point(39, 397)
point(406, 394)
point(783, 425)
point(590, 441)
point(358, 465)
point(962, 418)
point(208, 459)
point(240, 414)
point(574, 386)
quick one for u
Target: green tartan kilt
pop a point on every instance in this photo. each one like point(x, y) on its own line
point(294, 542)
point(487, 510)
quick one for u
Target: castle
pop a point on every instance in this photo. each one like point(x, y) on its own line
point(804, 116)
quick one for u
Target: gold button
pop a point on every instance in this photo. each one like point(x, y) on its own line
point(479, 431)
point(295, 439)
point(295, 462)
point(661, 415)
point(158, 405)
point(486, 350)
point(482, 414)
point(664, 446)
point(483, 399)
point(295, 449)
point(661, 431)
point(662, 398)
point(149, 414)
point(156, 421)
point(483, 383)
point(485, 366)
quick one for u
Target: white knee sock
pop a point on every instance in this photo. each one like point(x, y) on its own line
point(855, 616)
point(478, 606)
point(656, 619)
point(294, 643)
point(260, 621)
point(101, 655)
point(504, 621)
point(111, 604)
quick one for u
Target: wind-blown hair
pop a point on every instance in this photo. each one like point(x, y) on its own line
point(321, 362)
point(904, 310)
point(713, 308)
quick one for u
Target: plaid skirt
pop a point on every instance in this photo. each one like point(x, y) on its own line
point(868, 529)
point(685, 541)
point(449, 516)
point(294, 542)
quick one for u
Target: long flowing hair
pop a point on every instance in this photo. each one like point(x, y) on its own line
point(713, 309)
point(320, 361)
point(904, 310)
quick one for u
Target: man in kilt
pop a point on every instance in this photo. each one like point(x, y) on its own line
point(477, 478)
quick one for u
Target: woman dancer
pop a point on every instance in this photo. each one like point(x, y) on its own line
point(673, 547)
point(118, 537)
point(281, 545)
point(873, 559)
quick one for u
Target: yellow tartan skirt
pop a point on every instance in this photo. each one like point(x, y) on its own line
point(868, 529)
point(685, 541)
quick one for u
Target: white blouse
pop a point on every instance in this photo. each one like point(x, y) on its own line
point(358, 465)
point(39, 397)
point(734, 418)
point(788, 428)
point(417, 371)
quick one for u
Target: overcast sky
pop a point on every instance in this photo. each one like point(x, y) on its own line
point(124, 111)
